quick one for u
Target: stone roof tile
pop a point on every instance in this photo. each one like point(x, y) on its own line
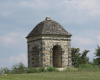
point(49, 27)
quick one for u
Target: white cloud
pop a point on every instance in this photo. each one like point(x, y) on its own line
point(6, 13)
point(12, 38)
point(18, 58)
point(9, 38)
point(78, 40)
point(91, 7)
point(33, 4)
point(74, 12)
point(8, 62)
point(98, 37)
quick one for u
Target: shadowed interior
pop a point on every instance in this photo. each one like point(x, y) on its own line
point(57, 56)
point(35, 57)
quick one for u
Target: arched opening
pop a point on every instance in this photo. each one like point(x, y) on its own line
point(57, 56)
point(35, 57)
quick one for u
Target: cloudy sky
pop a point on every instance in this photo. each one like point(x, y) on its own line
point(81, 18)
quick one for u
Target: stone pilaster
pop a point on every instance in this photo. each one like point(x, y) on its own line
point(69, 54)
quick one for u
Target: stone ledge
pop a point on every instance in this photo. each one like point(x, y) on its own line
point(49, 39)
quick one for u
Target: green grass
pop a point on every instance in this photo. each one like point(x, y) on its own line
point(20, 72)
point(78, 75)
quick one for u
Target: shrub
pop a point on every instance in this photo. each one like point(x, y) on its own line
point(19, 68)
point(71, 69)
point(1, 71)
point(88, 67)
point(50, 69)
point(32, 70)
point(4, 70)
point(41, 69)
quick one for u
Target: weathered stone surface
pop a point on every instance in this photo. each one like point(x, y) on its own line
point(49, 50)
point(48, 27)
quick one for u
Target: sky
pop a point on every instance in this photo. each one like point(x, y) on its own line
point(81, 18)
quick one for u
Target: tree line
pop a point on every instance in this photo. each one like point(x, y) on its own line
point(81, 58)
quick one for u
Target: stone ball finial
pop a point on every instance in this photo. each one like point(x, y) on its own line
point(47, 18)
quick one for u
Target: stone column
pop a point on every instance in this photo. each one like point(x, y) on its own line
point(69, 54)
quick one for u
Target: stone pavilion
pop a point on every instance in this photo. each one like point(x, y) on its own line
point(49, 44)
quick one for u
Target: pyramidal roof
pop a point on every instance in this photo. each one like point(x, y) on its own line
point(48, 27)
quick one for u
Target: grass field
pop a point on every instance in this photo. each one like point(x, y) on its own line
point(53, 76)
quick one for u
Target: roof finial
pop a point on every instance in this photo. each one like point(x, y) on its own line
point(47, 18)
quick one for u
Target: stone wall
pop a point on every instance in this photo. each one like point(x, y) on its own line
point(32, 53)
point(45, 45)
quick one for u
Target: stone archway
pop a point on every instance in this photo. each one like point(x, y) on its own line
point(35, 57)
point(57, 56)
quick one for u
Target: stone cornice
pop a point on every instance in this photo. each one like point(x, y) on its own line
point(49, 39)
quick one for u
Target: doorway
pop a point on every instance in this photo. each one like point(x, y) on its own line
point(57, 56)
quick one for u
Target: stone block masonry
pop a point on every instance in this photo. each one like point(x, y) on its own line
point(49, 51)
point(49, 44)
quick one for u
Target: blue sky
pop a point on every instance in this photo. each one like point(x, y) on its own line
point(81, 18)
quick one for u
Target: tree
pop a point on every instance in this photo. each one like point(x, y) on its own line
point(98, 51)
point(79, 58)
point(84, 57)
point(75, 56)
point(97, 60)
